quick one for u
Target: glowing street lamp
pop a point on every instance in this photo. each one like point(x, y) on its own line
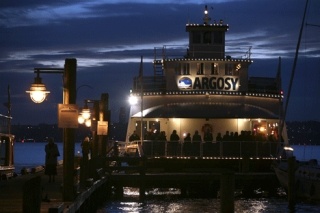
point(98, 122)
point(38, 91)
point(38, 94)
point(85, 114)
point(88, 123)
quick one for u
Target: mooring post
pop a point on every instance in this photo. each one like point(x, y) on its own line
point(142, 188)
point(291, 182)
point(227, 184)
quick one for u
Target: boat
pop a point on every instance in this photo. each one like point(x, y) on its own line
point(6, 144)
point(306, 174)
point(306, 179)
point(200, 87)
point(28, 140)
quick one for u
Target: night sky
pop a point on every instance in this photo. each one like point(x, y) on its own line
point(108, 37)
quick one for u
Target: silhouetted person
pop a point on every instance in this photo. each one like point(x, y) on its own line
point(173, 144)
point(219, 137)
point(226, 137)
point(187, 138)
point(196, 137)
point(52, 153)
point(208, 136)
point(134, 136)
point(86, 149)
point(236, 136)
point(174, 136)
point(162, 136)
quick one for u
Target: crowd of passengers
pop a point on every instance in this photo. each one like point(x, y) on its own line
point(207, 137)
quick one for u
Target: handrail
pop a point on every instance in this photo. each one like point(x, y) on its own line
point(239, 149)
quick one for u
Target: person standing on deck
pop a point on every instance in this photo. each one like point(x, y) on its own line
point(51, 161)
point(173, 145)
point(134, 136)
point(208, 137)
point(187, 138)
point(196, 137)
point(174, 136)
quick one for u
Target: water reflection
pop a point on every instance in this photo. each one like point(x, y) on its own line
point(170, 201)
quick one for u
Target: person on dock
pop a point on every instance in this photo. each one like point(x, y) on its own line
point(86, 149)
point(52, 153)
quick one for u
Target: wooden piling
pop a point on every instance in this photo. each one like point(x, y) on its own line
point(227, 185)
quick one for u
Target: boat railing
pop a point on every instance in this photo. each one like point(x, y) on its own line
point(150, 83)
point(219, 149)
point(185, 51)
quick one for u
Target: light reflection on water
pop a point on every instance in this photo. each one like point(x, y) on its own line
point(169, 201)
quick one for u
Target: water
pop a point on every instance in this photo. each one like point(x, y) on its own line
point(32, 154)
point(29, 155)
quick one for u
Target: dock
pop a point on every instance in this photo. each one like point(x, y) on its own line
point(34, 193)
point(196, 176)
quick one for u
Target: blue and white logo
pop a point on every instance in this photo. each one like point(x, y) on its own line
point(185, 83)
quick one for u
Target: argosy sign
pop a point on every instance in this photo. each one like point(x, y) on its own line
point(226, 83)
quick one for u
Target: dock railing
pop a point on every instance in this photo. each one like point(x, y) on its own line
point(237, 149)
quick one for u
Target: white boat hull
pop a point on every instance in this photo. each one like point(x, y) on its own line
point(307, 180)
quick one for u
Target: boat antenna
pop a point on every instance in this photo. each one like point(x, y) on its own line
point(9, 110)
point(293, 68)
point(206, 18)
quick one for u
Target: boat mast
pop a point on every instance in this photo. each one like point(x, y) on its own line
point(141, 95)
point(293, 68)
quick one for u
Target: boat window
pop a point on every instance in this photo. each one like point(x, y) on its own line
point(228, 69)
point(186, 69)
point(200, 67)
point(196, 37)
point(138, 128)
point(214, 69)
point(178, 69)
point(155, 126)
point(3, 142)
point(207, 38)
point(218, 38)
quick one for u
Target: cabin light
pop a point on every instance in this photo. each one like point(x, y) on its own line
point(38, 92)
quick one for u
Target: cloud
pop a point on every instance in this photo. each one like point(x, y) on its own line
point(107, 37)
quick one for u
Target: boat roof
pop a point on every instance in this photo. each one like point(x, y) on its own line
point(207, 110)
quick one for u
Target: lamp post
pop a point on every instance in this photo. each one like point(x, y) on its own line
point(38, 94)
point(98, 123)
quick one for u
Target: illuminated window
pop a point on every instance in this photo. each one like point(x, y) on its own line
point(200, 68)
point(214, 69)
point(228, 69)
point(185, 69)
